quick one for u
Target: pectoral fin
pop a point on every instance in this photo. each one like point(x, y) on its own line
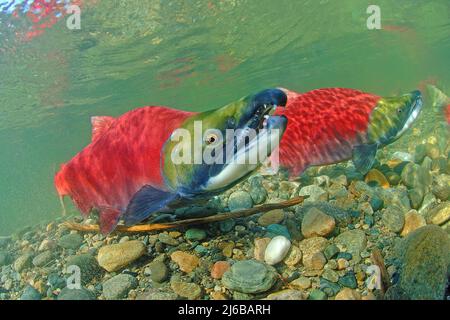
point(364, 157)
point(146, 201)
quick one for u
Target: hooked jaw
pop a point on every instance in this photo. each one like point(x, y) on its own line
point(251, 150)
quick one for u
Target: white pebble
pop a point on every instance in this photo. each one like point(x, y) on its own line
point(276, 250)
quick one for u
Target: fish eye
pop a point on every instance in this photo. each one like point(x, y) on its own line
point(399, 110)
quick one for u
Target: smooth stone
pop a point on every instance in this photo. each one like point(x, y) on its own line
point(420, 153)
point(271, 217)
point(256, 190)
point(425, 259)
point(403, 156)
point(277, 250)
point(274, 230)
point(227, 248)
point(301, 282)
point(348, 280)
point(156, 294)
point(413, 221)
point(166, 239)
point(42, 259)
point(439, 214)
point(314, 192)
point(75, 294)
point(429, 202)
point(71, 241)
point(119, 286)
point(293, 257)
point(260, 248)
point(342, 264)
point(375, 178)
point(416, 196)
point(317, 294)
point(354, 241)
point(311, 246)
point(187, 262)
point(239, 200)
point(397, 197)
point(393, 218)
point(341, 216)
point(414, 175)
point(23, 262)
point(250, 276)
point(195, 234)
point(117, 256)
point(432, 151)
point(316, 262)
point(191, 291)
point(441, 187)
point(219, 268)
point(287, 294)
point(47, 244)
point(315, 223)
point(348, 294)
point(330, 275)
point(158, 271)
point(30, 293)
point(330, 288)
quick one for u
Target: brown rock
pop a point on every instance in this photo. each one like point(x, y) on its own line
point(117, 256)
point(288, 294)
point(227, 248)
point(187, 262)
point(439, 214)
point(260, 248)
point(342, 264)
point(413, 221)
point(271, 217)
point(217, 295)
point(191, 291)
point(369, 296)
point(316, 223)
point(311, 246)
point(316, 262)
point(301, 283)
point(348, 294)
point(294, 256)
point(219, 268)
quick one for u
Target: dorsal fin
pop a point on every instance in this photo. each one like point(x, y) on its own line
point(99, 125)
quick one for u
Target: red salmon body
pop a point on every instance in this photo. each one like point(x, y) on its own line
point(124, 155)
point(323, 127)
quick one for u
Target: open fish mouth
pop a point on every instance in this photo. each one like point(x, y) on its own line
point(250, 154)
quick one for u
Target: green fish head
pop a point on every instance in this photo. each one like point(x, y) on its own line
point(393, 116)
point(214, 150)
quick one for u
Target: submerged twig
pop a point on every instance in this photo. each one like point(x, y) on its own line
point(181, 223)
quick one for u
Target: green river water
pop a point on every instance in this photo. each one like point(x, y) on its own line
point(190, 55)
